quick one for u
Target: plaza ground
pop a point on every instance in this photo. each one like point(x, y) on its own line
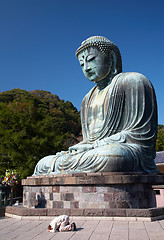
point(100, 229)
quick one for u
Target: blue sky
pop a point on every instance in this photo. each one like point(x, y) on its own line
point(38, 40)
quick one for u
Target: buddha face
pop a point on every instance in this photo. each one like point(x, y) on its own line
point(95, 65)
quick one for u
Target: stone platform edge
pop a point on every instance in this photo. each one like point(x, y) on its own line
point(94, 178)
point(150, 213)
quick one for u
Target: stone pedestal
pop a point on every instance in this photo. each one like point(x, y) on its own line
point(92, 192)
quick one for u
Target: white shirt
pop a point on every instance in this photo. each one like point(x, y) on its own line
point(56, 222)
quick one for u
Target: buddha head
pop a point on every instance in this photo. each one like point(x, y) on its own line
point(99, 59)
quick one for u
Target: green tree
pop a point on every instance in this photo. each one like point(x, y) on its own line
point(160, 139)
point(33, 125)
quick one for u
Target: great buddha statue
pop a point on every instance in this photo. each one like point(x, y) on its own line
point(118, 117)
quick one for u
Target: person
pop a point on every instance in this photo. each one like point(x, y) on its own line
point(118, 117)
point(61, 224)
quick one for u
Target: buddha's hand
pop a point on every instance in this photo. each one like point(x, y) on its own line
point(98, 143)
point(102, 142)
point(116, 138)
point(80, 147)
point(61, 153)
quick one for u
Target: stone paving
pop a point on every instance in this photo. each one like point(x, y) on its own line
point(12, 228)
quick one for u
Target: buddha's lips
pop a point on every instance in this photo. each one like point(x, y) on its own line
point(89, 74)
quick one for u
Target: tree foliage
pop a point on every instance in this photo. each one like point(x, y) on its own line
point(33, 125)
point(160, 139)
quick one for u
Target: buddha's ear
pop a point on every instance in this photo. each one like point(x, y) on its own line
point(114, 62)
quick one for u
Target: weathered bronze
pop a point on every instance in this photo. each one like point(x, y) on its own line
point(118, 117)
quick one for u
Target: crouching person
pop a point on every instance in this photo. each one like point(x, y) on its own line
point(61, 224)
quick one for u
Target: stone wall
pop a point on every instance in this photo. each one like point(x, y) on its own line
point(91, 191)
point(118, 196)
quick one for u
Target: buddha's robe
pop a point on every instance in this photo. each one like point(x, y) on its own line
point(119, 125)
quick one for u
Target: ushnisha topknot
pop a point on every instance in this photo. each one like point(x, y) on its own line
point(104, 45)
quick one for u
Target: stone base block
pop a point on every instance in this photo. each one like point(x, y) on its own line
point(150, 214)
point(90, 191)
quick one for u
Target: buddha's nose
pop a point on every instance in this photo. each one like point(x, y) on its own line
point(87, 67)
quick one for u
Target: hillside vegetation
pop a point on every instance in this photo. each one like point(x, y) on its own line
point(160, 139)
point(33, 125)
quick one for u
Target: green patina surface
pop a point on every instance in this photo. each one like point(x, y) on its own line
point(118, 117)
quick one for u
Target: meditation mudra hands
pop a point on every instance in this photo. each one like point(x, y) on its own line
point(81, 147)
point(86, 146)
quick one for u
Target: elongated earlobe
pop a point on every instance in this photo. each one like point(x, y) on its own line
point(114, 61)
